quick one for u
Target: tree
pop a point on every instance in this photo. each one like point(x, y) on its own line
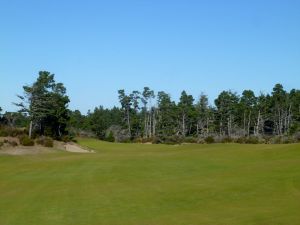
point(15, 119)
point(126, 104)
point(46, 102)
point(149, 116)
point(281, 109)
point(136, 126)
point(100, 121)
point(227, 108)
point(294, 116)
point(277, 113)
point(203, 115)
point(186, 109)
point(247, 106)
point(167, 115)
point(1, 119)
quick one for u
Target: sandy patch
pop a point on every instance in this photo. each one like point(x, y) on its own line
point(71, 147)
point(38, 149)
point(22, 150)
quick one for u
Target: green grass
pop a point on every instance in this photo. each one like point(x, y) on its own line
point(135, 184)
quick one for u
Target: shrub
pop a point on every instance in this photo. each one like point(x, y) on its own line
point(276, 140)
point(135, 140)
point(241, 140)
point(157, 140)
point(110, 137)
point(209, 140)
point(68, 138)
point(120, 134)
point(3, 133)
point(1, 143)
point(287, 140)
point(147, 140)
point(173, 140)
point(26, 141)
point(297, 137)
point(13, 143)
point(48, 142)
point(201, 140)
point(252, 140)
point(45, 141)
point(268, 139)
point(227, 140)
point(40, 141)
point(6, 131)
point(190, 140)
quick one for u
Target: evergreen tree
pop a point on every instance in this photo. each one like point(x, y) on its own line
point(226, 104)
point(46, 103)
point(187, 113)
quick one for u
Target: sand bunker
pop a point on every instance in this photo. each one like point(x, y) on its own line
point(37, 149)
point(71, 147)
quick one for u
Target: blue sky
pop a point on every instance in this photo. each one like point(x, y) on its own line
point(98, 47)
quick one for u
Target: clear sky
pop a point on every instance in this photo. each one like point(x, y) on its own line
point(97, 47)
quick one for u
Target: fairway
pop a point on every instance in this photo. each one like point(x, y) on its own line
point(139, 184)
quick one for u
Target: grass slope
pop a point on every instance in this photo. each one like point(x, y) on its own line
point(132, 184)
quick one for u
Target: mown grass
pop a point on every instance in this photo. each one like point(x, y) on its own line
point(137, 184)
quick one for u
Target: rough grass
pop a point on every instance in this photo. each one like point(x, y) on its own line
point(136, 184)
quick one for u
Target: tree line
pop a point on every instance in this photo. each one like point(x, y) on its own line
point(149, 116)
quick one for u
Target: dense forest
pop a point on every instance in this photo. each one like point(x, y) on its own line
point(146, 116)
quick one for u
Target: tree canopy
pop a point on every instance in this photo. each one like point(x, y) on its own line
point(46, 103)
point(144, 114)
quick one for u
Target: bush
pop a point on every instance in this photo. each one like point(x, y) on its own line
point(241, 140)
point(48, 142)
point(227, 140)
point(201, 140)
point(252, 140)
point(6, 131)
point(157, 140)
point(287, 140)
point(10, 143)
point(147, 140)
point(120, 134)
point(297, 137)
point(13, 143)
point(40, 140)
point(26, 141)
point(3, 133)
point(45, 141)
point(110, 137)
point(275, 140)
point(173, 140)
point(190, 140)
point(209, 140)
point(1, 144)
point(68, 138)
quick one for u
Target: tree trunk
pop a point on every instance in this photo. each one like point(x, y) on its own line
point(249, 123)
point(183, 125)
point(207, 126)
point(30, 129)
point(154, 124)
point(258, 123)
point(244, 123)
point(128, 123)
